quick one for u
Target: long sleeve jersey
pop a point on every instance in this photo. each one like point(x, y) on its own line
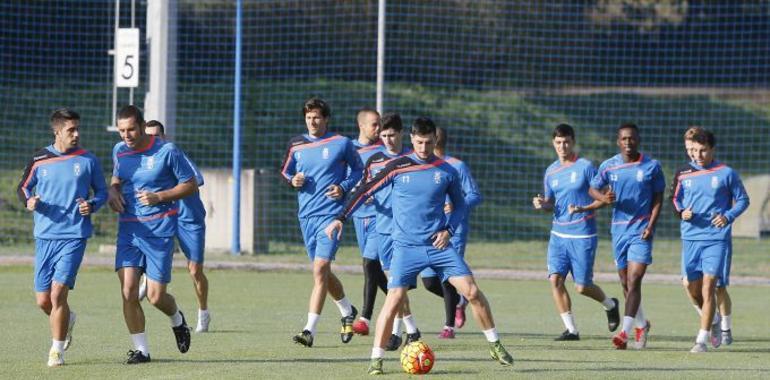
point(366, 210)
point(471, 194)
point(567, 184)
point(381, 203)
point(158, 166)
point(60, 179)
point(418, 192)
point(327, 160)
point(708, 191)
point(635, 185)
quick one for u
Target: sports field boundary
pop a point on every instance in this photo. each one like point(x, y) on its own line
point(505, 274)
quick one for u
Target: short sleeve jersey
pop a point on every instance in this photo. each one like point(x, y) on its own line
point(567, 184)
point(158, 166)
point(60, 179)
point(709, 191)
point(374, 165)
point(327, 160)
point(471, 192)
point(635, 184)
point(192, 213)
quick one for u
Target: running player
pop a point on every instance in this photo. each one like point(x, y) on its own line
point(148, 177)
point(633, 183)
point(322, 166)
point(191, 234)
point(708, 198)
point(572, 245)
point(391, 136)
point(55, 186)
point(454, 305)
point(722, 320)
point(365, 222)
point(419, 184)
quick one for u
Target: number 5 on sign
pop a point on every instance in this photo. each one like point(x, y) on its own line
point(127, 58)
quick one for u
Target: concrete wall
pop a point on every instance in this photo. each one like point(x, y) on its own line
point(756, 220)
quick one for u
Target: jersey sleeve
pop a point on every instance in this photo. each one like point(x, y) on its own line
point(196, 172)
point(98, 185)
point(27, 183)
point(355, 167)
point(289, 164)
point(547, 191)
point(599, 181)
point(460, 208)
point(739, 195)
point(470, 190)
point(658, 179)
point(366, 189)
point(674, 193)
point(179, 165)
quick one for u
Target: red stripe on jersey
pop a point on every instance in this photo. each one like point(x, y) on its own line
point(702, 171)
point(305, 146)
point(574, 221)
point(161, 215)
point(560, 168)
point(370, 147)
point(637, 162)
point(135, 151)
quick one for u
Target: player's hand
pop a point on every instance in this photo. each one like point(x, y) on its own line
point(32, 202)
point(448, 208)
point(115, 200)
point(334, 230)
point(609, 196)
point(719, 221)
point(538, 201)
point(647, 233)
point(84, 207)
point(298, 180)
point(440, 239)
point(573, 209)
point(334, 192)
point(147, 198)
point(687, 214)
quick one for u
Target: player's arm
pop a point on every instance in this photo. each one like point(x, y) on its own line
point(595, 205)
point(289, 166)
point(99, 187)
point(457, 198)
point(471, 192)
point(362, 192)
point(658, 187)
point(355, 166)
point(739, 195)
point(186, 183)
point(24, 190)
point(600, 188)
point(115, 196)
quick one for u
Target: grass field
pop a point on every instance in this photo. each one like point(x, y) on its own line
point(255, 314)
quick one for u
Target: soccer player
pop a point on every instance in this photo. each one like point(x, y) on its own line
point(322, 166)
point(148, 177)
point(572, 245)
point(391, 136)
point(365, 222)
point(191, 234)
point(708, 199)
point(454, 305)
point(419, 184)
point(633, 184)
point(722, 320)
point(55, 186)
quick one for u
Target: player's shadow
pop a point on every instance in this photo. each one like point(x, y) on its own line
point(626, 369)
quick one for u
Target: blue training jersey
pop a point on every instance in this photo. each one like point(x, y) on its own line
point(567, 184)
point(157, 167)
point(381, 202)
point(327, 160)
point(192, 213)
point(471, 194)
point(366, 210)
point(418, 192)
point(60, 179)
point(709, 191)
point(635, 184)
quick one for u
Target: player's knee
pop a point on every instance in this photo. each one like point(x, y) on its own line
point(44, 303)
point(196, 270)
point(472, 294)
point(154, 297)
point(130, 294)
point(581, 289)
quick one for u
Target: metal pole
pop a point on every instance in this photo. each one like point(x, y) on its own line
point(380, 53)
point(235, 243)
point(133, 25)
point(115, 45)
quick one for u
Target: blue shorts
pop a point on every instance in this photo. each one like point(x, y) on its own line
point(575, 255)
point(57, 260)
point(192, 241)
point(724, 279)
point(317, 243)
point(459, 246)
point(409, 261)
point(631, 247)
point(153, 254)
point(701, 257)
point(366, 235)
point(384, 244)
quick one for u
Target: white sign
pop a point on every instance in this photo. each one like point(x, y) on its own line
point(127, 57)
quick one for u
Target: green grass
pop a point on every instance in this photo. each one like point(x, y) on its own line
point(255, 314)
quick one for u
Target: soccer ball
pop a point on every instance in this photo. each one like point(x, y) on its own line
point(417, 358)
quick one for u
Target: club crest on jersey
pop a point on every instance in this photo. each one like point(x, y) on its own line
point(43, 172)
point(714, 182)
point(437, 177)
point(325, 154)
point(639, 175)
point(76, 169)
point(572, 177)
point(554, 183)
